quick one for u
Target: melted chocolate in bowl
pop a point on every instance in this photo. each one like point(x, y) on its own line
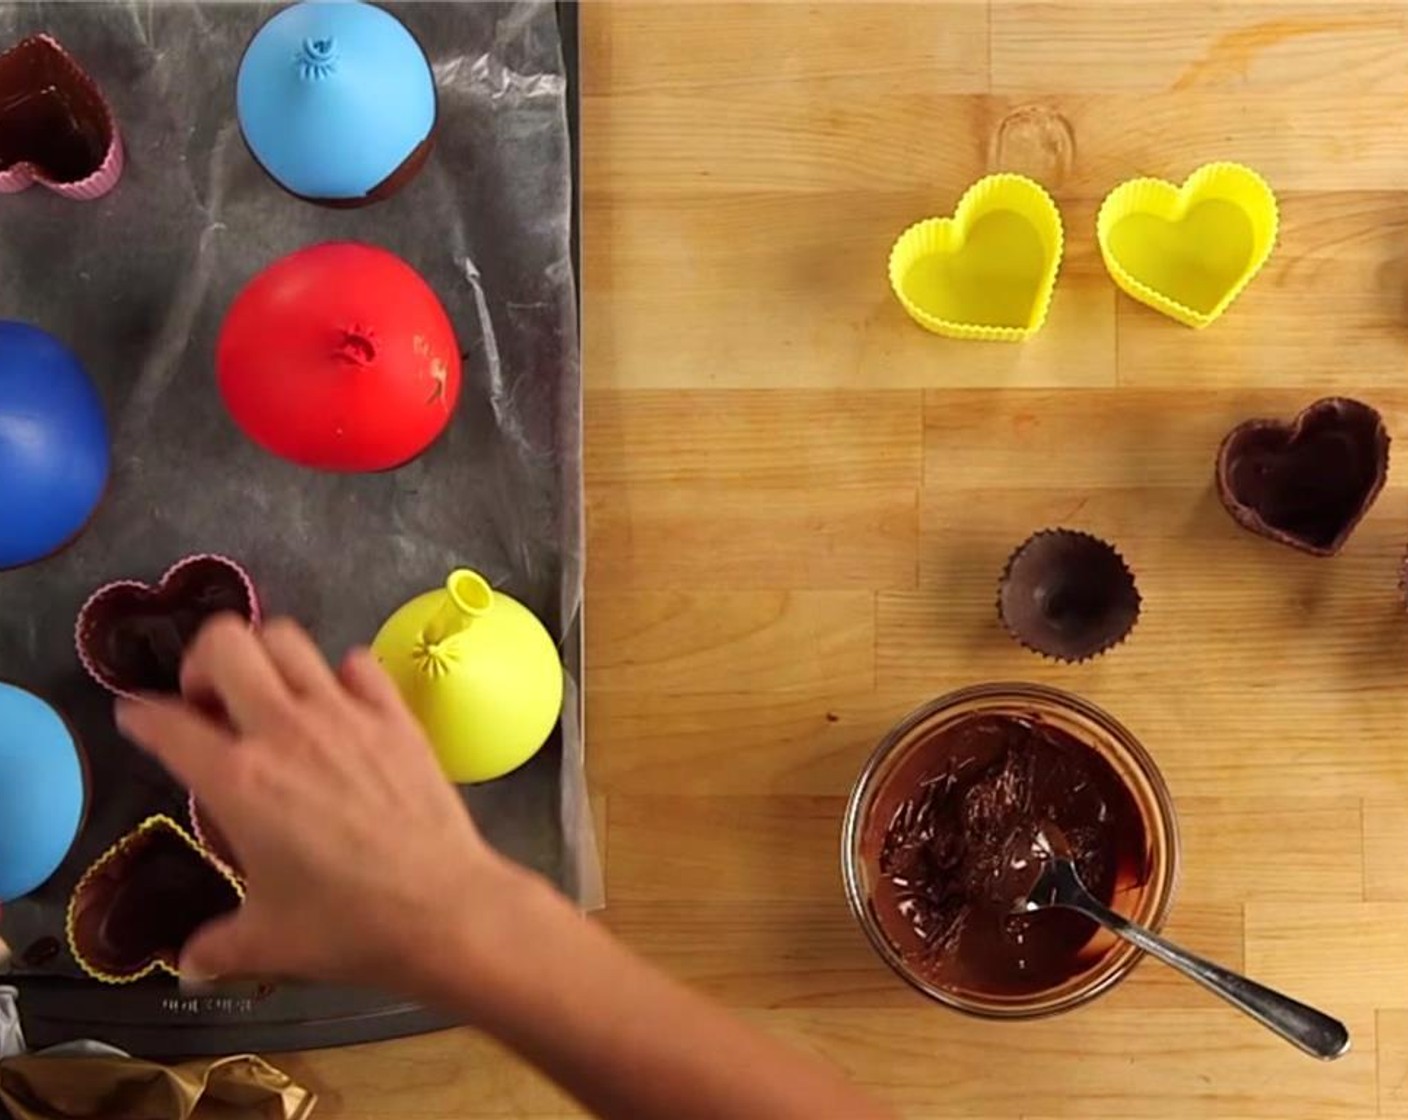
point(933, 839)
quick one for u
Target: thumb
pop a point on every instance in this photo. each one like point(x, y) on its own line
point(228, 947)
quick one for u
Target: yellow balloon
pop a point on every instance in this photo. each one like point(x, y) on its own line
point(480, 673)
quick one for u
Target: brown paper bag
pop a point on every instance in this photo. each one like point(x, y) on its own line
point(237, 1088)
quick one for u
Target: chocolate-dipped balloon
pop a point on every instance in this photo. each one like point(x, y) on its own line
point(54, 449)
point(340, 357)
point(337, 102)
point(42, 791)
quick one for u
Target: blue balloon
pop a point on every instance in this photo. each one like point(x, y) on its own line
point(54, 449)
point(42, 791)
point(334, 97)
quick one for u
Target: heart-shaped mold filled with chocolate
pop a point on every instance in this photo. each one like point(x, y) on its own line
point(55, 127)
point(1308, 482)
point(131, 636)
point(135, 908)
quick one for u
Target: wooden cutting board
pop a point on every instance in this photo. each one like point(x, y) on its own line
point(799, 504)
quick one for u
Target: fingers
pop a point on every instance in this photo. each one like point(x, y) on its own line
point(228, 947)
point(362, 675)
point(190, 746)
point(230, 663)
point(298, 660)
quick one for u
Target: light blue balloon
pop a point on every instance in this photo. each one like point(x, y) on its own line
point(333, 96)
point(41, 792)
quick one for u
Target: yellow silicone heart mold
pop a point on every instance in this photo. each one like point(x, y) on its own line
point(1188, 251)
point(986, 273)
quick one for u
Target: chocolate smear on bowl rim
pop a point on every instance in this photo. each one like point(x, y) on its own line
point(1067, 595)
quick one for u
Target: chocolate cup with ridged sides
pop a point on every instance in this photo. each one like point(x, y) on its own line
point(1308, 482)
point(1067, 595)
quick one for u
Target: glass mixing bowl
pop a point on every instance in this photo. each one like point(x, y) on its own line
point(1105, 959)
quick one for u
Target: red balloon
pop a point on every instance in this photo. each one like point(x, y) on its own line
point(339, 357)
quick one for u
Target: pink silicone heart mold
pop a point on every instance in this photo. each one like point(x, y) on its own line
point(131, 636)
point(56, 129)
point(210, 837)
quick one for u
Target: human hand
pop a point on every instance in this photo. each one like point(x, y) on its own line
point(362, 863)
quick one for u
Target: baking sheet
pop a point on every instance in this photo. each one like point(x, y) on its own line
point(137, 284)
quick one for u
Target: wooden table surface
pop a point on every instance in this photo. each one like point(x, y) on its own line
point(799, 503)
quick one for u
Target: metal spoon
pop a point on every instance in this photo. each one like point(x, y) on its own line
point(1058, 884)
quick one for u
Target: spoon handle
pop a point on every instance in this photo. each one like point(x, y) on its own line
point(1313, 1031)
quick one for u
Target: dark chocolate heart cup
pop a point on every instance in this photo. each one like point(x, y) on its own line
point(1067, 595)
point(1306, 483)
point(56, 129)
point(131, 636)
point(135, 907)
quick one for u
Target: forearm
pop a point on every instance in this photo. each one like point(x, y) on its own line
point(623, 1038)
point(360, 862)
